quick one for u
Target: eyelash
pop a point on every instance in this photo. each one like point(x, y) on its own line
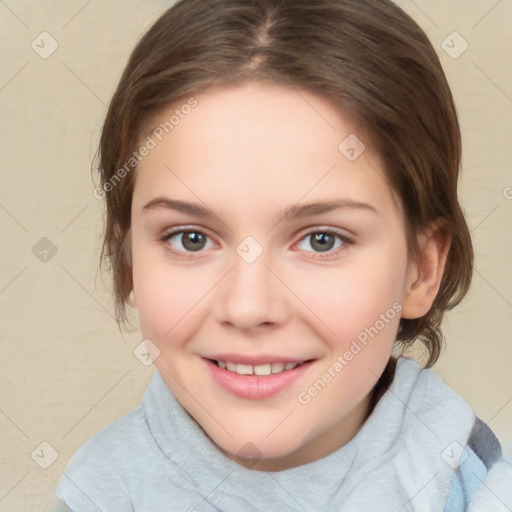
point(328, 231)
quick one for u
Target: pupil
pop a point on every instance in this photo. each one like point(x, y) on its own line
point(325, 241)
point(193, 241)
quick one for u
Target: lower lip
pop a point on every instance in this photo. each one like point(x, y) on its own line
point(255, 387)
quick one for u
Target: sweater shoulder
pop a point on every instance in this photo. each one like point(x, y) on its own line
point(114, 442)
point(99, 473)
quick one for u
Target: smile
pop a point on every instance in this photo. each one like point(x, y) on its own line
point(260, 369)
point(255, 381)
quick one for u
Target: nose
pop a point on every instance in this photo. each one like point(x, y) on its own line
point(251, 297)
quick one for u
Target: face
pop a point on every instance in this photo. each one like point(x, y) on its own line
point(259, 243)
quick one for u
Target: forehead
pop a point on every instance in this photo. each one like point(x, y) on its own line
point(260, 144)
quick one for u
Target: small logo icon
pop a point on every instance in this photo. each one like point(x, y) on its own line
point(454, 45)
point(146, 352)
point(250, 453)
point(454, 455)
point(44, 455)
point(351, 147)
point(44, 250)
point(249, 249)
point(44, 45)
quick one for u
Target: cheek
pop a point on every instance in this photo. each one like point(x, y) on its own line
point(359, 308)
point(168, 296)
point(355, 295)
point(351, 301)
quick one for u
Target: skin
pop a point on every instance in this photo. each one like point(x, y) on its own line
point(246, 153)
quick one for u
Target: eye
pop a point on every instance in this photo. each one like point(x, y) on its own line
point(323, 241)
point(186, 241)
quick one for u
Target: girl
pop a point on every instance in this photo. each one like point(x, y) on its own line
point(280, 182)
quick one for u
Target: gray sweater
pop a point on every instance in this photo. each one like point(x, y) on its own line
point(420, 450)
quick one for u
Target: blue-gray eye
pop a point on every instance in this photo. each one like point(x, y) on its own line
point(190, 241)
point(322, 241)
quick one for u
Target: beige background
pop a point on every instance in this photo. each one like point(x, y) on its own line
point(66, 371)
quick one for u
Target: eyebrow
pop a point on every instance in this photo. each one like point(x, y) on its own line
point(291, 212)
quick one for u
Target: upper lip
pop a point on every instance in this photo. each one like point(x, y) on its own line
point(255, 360)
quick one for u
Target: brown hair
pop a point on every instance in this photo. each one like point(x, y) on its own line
point(368, 56)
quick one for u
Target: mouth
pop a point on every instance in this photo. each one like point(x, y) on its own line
point(260, 370)
point(256, 381)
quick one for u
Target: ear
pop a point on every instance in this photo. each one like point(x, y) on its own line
point(425, 273)
point(131, 299)
point(126, 262)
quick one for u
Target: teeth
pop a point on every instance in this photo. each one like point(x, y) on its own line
point(263, 369)
point(277, 367)
point(244, 369)
point(260, 369)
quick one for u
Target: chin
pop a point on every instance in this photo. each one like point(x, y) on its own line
point(259, 450)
